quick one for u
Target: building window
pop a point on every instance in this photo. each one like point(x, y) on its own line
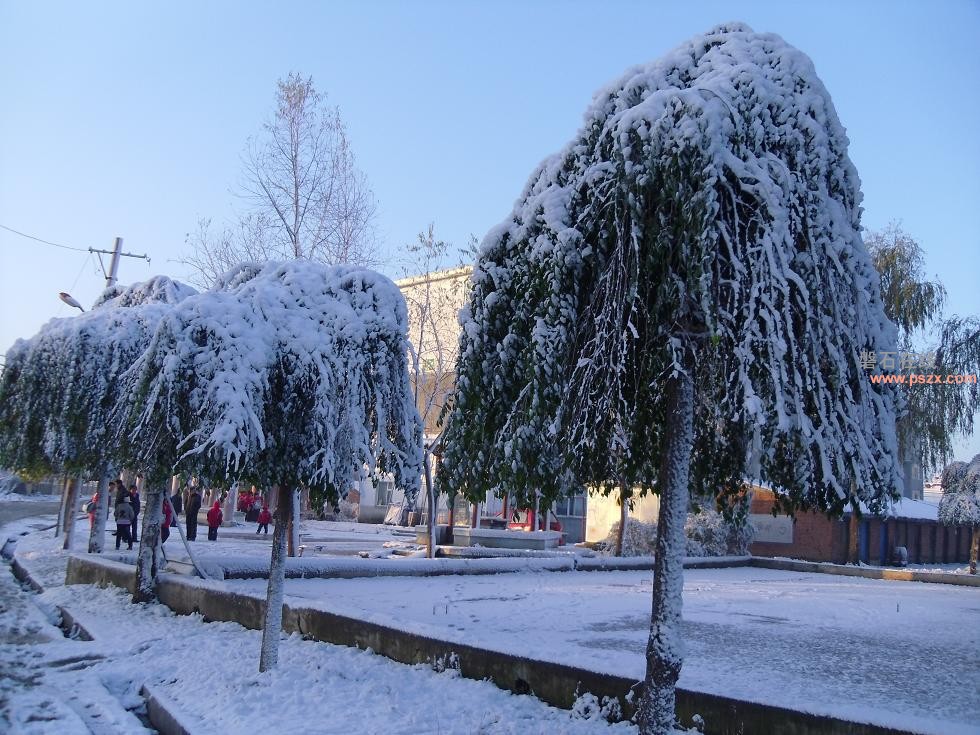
point(383, 493)
point(570, 506)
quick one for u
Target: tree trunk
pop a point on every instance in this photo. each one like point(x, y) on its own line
point(62, 507)
point(71, 512)
point(292, 544)
point(656, 711)
point(190, 554)
point(452, 518)
point(624, 515)
point(272, 627)
point(96, 536)
point(147, 558)
point(853, 530)
point(431, 515)
point(974, 549)
point(231, 505)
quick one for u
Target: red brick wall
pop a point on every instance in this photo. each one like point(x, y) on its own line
point(817, 538)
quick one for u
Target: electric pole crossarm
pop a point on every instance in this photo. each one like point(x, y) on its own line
point(124, 255)
point(116, 254)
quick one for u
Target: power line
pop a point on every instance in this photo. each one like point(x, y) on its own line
point(46, 242)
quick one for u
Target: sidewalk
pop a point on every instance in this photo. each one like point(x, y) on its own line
point(206, 676)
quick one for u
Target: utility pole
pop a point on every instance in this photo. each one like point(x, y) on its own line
point(110, 281)
point(116, 253)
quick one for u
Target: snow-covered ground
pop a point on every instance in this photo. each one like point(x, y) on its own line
point(904, 654)
point(209, 671)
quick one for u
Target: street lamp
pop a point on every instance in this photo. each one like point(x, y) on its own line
point(70, 300)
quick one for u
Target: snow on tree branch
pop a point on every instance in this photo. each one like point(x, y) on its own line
point(292, 372)
point(708, 200)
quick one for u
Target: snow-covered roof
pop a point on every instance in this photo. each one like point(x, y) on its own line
point(909, 509)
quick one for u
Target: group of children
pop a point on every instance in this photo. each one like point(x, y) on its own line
point(126, 509)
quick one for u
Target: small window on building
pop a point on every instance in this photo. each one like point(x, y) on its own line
point(383, 495)
point(573, 505)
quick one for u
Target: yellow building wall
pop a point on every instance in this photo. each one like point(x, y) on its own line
point(603, 511)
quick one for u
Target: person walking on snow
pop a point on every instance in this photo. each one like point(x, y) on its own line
point(124, 519)
point(134, 498)
point(120, 492)
point(264, 518)
point(215, 517)
point(91, 508)
point(190, 513)
point(168, 520)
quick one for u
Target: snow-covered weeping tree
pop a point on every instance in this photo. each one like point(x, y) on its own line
point(960, 503)
point(59, 394)
point(287, 374)
point(680, 300)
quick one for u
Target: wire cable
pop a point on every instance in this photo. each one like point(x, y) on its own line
point(46, 242)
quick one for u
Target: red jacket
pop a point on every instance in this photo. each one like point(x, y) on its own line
point(215, 515)
point(168, 513)
point(265, 516)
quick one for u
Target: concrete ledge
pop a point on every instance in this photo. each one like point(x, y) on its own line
point(101, 572)
point(120, 574)
point(902, 575)
point(160, 711)
point(24, 575)
point(457, 561)
point(72, 627)
point(502, 538)
point(555, 684)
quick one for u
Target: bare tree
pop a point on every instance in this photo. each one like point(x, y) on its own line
point(306, 196)
point(433, 296)
point(216, 252)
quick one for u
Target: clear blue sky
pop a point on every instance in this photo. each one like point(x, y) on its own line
point(128, 119)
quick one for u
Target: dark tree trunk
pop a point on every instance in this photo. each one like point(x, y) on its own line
point(974, 549)
point(148, 557)
point(272, 627)
point(292, 524)
point(624, 515)
point(656, 711)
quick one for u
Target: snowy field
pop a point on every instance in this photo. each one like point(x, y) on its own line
point(53, 685)
point(896, 653)
point(904, 654)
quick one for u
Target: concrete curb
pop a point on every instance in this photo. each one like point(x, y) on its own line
point(73, 628)
point(352, 567)
point(160, 712)
point(156, 705)
point(901, 575)
point(552, 683)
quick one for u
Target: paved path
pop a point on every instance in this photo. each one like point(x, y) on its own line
point(39, 666)
point(15, 510)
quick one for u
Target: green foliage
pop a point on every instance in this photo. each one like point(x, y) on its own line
point(936, 412)
point(707, 207)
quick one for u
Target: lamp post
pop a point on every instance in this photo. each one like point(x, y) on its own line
point(70, 300)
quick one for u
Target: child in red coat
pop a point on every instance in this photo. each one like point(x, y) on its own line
point(264, 518)
point(214, 520)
